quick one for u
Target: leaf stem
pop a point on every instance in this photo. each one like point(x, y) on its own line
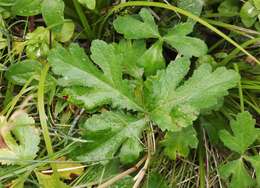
point(183, 12)
point(43, 118)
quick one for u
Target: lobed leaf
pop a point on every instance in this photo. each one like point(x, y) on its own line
point(107, 86)
point(179, 143)
point(109, 133)
point(237, 172)
point(185, 45)
point(244, 133)
point(134, 28)
point(174, 105)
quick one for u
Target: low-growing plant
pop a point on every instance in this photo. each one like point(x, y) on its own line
point(143, 99)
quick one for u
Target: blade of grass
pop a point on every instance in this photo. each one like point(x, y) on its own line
point(233, 54)
point(10, 106)
point(83, 19)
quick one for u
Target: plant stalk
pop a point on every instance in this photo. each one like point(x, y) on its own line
point(43, 119)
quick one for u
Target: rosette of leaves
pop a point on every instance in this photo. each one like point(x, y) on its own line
point(167, 99)
point(243, 135)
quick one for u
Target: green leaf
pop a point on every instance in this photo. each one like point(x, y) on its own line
point(91, 4)
point(248, 14)
point(47, 181)
point(255, 161)
point(109, 133)
point(174, 105)
point(212, 124)
point(257, 4)
point(133, 27)
point(152, 60)
point(53, 14)
point(193, 6)
point(20, 139)
point(155, 180)
point(126, 182)
point(131, 51)
point(26, 7)
point(244, 133)
point(66, 32)
point(237, 172)
point(19, 73)
point(229, 8)
point(179, 143)
point(185, 45)
point(76, 69)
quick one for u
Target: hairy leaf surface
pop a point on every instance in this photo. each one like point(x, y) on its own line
point(173, 104)
point(107, 85)
point(109, 133)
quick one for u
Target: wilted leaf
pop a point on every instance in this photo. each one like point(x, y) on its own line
point(21, 139)
point(48, 181)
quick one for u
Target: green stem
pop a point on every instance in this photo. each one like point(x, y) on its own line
point(183, 12)
point(240, 91)
point(236, 51)
point(83, 20)
point(10, 106)
point(202, 173)
point(9, 93)
point(43, 118)
point(232, 27)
